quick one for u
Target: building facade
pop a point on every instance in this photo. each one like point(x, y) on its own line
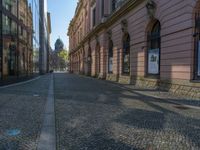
point(16, 38)
point(44, 34)
point(149, 43)
point(34, 4)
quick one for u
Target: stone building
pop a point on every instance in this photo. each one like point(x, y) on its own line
point(15, 38)
point(149, 43)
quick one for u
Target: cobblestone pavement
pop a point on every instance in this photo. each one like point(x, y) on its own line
point(21, 109)
point(98, 115)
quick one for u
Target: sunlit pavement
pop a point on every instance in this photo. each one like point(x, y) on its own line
point(93, 114)
point(97, 115)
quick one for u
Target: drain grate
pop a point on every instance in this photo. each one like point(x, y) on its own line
point(181, 107)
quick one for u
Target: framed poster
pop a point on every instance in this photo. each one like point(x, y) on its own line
point(198, 60)
point(110, 66)
point(126, 67)
point(153, 61)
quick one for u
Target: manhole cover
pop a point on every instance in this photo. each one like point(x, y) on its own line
point(181, 107)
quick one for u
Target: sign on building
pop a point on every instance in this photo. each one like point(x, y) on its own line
point(110, 66)
point(153, 61)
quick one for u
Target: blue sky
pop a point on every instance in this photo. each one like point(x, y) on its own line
point(62, 12)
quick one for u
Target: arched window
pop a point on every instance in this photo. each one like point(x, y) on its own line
point(197, 45)
point(126, 55)
point(154, 50)
point(110, 57)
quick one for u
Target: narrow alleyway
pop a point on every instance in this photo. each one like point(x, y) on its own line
point(92, 114)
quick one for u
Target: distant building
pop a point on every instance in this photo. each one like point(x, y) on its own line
point(16, 46)
point(150, 43)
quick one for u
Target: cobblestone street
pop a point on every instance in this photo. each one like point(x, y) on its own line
point(98, 115)
point(94, 114)
point(21, 109)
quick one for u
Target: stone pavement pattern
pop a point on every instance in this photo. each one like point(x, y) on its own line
point(21, 109)
point(97, 115)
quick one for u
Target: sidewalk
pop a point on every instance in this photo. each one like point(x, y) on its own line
point(14, 79)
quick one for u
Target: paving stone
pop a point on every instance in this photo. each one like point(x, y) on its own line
point(20, 110)
point(98, 115)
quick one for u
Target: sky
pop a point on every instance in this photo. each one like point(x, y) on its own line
point(62, 12)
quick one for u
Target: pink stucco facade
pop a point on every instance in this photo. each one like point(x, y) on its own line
point(178, 53)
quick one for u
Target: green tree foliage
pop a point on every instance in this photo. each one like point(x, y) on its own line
point(63, 54)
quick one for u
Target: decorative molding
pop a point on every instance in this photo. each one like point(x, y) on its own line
point(109, 33)
point(124, 26)
point(151, 8)
point(130, 5)
point(92, 2)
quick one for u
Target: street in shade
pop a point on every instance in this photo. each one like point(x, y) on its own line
point(99, 75)
point(60, 111)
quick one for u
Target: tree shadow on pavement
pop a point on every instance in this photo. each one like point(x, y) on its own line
point(162, 118)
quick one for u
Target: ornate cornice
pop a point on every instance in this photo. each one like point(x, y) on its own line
point(125, 9)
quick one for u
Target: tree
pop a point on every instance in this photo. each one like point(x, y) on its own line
point(63, 57)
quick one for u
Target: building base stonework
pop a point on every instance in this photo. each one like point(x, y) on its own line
point(124, 79)
point(112, 77)
point(177, 87)
point(101, 76)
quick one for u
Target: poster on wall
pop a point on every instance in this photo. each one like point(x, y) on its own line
point(110, 64)
point(153, 61)
point(198, 60)
point(126, 67)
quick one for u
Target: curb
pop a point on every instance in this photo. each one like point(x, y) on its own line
point(20, 83)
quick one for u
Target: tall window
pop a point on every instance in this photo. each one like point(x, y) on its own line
point(110, 57)
point(117, 3)
point(113, 5)
point(197, 45)
point(98, 59)
point(126, 55)
point(154, 50)
point(94, 16)
point(102, 8)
